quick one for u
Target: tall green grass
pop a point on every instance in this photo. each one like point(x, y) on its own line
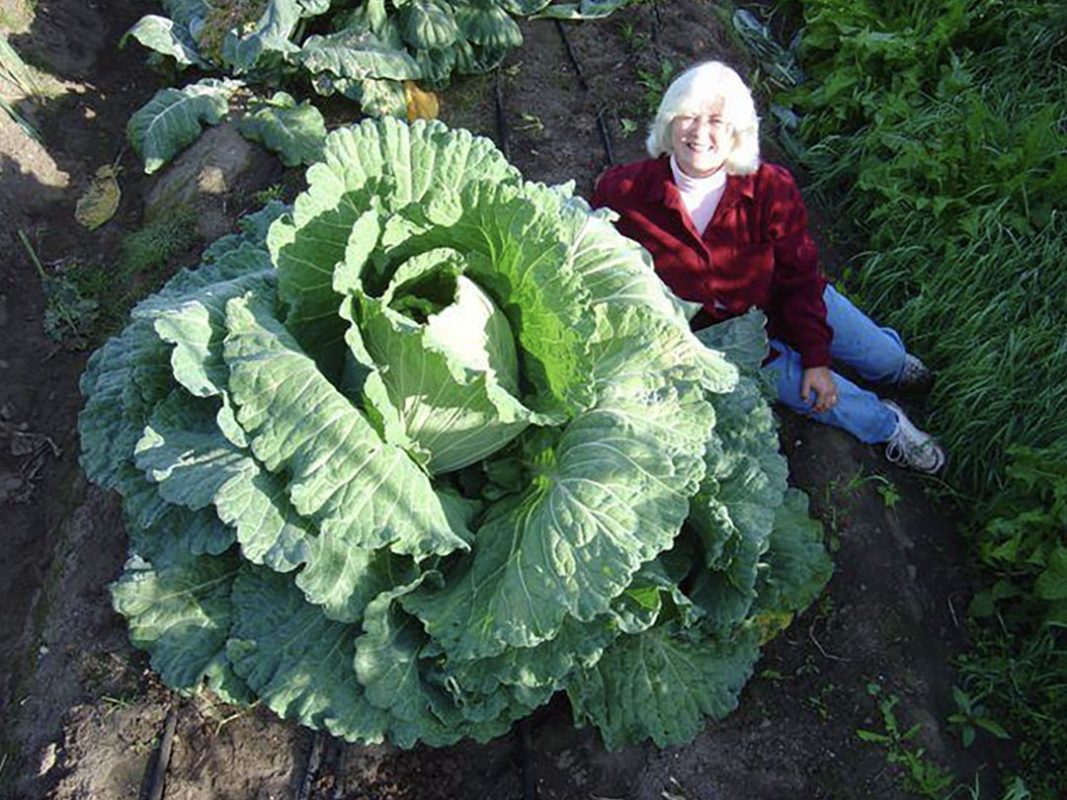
point(944, 141)
point(937, 132)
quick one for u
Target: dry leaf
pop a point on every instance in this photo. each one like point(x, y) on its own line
point(421, 104)
point(101, 199)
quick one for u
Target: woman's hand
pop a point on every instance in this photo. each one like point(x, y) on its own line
point(820, 381)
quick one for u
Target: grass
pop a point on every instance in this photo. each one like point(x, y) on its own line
point(87, 301)
point(1021, 681)
point(999, 345)
point(937, 135)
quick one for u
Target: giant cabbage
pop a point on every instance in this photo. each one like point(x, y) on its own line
point(406, 459)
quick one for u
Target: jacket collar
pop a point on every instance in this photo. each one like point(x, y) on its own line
point(737, 186)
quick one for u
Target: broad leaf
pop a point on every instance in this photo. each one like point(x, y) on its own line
point(357, 56)
point(167, 37)
point(296, 132)
point(661, 687)
point(172, 119)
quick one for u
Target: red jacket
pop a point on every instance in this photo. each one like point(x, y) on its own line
point(756, 251)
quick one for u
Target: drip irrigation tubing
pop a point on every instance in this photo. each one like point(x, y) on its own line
point(166, 745)
point(601, 125)
point(501, 119)
point(311, 769)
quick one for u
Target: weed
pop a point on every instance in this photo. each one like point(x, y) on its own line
point(86, 301)
point(145, 253)
point(273, 192)
point(114, 703)
point(885, 488)
point(820, 701)
point(632, 40)
point(68, 315)
point(530, 122)
point(629, 127)
point(655, 83)
point(888, 492)
point(772, 675)
point(1020, 680)
point(970, 716)
point(921, 775)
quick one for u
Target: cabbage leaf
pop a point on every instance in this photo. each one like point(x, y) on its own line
point(409, 457)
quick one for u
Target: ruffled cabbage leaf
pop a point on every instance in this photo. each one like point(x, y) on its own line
point(409, 457)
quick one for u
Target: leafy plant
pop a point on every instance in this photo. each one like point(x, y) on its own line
point(971, 716)
point(655, 83)
point(68, 314)
point(921, 775)
point(369, 50)
point(372, 54)
point(934, 134)
point(409, 458)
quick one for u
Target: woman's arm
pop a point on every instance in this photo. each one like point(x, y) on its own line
point(797, 284)
point(797, 287)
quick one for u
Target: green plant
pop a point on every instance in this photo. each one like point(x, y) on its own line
point(68, 314)
point(970, 716)
point(933, 132)
point(655, 83)
point(407, 459)
point(1021, 681)
point(371, 54)
point(273, 193)
point(145, 253)
point(632, 40)
point(921, 775)
point(888, 491)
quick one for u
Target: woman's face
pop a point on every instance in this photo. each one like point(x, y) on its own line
point(700, 140)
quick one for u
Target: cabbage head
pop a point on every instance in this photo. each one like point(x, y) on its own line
point(409, 457)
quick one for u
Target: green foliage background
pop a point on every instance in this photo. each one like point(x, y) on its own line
point(937, 133)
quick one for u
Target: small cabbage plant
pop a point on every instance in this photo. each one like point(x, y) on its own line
point(406, 459)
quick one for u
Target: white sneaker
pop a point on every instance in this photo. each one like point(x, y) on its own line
point(915, 374)
point(911, 447)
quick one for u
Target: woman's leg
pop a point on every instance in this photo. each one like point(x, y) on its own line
point(858, 411)
point(876, 353)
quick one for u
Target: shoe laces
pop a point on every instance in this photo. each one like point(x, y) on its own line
point(911, 447)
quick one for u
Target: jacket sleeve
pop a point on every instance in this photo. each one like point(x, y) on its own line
point(797, 285)
point(604, 189)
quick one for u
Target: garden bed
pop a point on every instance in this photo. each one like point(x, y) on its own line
point(83, 713)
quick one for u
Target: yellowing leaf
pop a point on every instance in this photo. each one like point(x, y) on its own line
point(101, 199)
point(771, 623)
point(421, 104)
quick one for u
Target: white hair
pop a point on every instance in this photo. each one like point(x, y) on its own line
point(698, 87)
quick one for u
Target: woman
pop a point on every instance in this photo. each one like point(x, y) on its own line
point(731, 232)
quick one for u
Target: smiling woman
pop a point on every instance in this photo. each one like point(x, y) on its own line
point(731, 233)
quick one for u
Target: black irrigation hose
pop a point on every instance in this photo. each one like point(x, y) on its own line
point(501, 120)
point(166, 745)
point(570, 54)
point(529, 781)
point(605, 136)
point(314, 757)
point(601, 125)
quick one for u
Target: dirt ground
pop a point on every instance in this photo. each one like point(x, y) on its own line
point(82, 714)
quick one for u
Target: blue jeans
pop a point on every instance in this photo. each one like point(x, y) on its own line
point(876, 354)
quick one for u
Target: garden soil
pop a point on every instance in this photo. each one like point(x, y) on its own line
point(82, 713)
